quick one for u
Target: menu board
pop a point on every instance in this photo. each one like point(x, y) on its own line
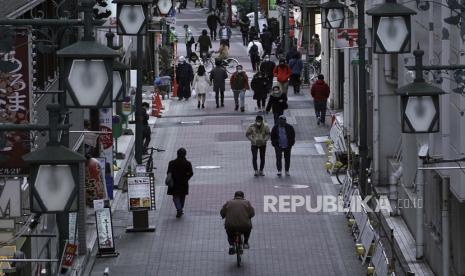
point(141, 192)
point(104, 229)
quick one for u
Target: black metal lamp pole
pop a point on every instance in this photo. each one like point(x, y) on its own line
point(138, 103)
point(362, 101)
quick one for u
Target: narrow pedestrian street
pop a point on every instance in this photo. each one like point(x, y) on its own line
point(295, 243)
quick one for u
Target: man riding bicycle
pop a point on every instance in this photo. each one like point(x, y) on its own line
point(237, 213)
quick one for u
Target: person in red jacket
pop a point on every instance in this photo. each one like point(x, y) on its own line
point(320, 94)
point(282, 72)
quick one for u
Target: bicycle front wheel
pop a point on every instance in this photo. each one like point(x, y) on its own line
point(231, 64)
point(312, 73)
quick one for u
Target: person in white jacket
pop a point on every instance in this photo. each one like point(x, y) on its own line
point(255, 51)
point(201, 84)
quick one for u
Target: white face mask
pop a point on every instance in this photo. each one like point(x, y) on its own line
point(258, 123)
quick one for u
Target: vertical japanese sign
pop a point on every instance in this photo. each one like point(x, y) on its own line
point(104, 224)
point(106, 140)
point(15, 100)
point(271, 5)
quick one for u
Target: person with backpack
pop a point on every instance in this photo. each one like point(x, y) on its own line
point(277, 102)
point(225, 33)
point(239, 84)
point(255, 51)
point(218, 76)
point(267, 67)
point(259, 85)
point(296, 66)
point(189, 40)
point(282, 72)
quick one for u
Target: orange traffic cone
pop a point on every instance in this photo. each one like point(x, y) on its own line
point(175, 88)
point(154, 106)
point(158, 100)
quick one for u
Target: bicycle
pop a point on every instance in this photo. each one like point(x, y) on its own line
point(208, 61)
point(238, 241)
point(314, 69)
point(149, 159)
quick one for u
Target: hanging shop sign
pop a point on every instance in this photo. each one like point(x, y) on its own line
point(346, 38)
point(141, 192)
point(10, 198)
point(104, 224)
point(15, 100)
point(67, 260)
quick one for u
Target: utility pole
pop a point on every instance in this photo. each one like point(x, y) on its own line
point(362, 100)
point(138, 102)
point(286, 28)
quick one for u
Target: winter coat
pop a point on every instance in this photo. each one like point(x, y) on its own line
point(258, 135)
point(267, 68)
point(218, 76)
point(282, 73)
point(205, 43)
point(237, 214)
point(320, 91)
point(259, 85)
point(223, 52)
point(290, 133)
point(224, 32)
point(201, 84)
point(277, 102)
point(233, 80)
point(244, 25)
point(296, 66)
point(181, 172)
point(184, 73)
point(266, 39)
point(212, 21)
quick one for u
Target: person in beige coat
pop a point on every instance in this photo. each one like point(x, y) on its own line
point(258, 134)
point(238, 214)
point(201, 85)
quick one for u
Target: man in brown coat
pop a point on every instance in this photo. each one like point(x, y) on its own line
point(237, 213)
point(181, 172)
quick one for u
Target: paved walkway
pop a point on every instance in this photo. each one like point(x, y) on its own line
point(298, 243)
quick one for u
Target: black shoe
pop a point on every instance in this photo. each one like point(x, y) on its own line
point(242, 109)
point(179, 214)
point(236, 108)
point(217, 106)
point(198, 105)
point(203, 106)
point(231, 251)
point(222, 104)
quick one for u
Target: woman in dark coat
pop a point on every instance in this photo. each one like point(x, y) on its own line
point(181, 172)
point(259, 86)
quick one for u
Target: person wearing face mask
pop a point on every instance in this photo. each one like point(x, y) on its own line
point(259, 85)
point(277, 102)
point(267, 67)
point(282, 72)
point(258, 134)
point(282, 139)
point(239, 84)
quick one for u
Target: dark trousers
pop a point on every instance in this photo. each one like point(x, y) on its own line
point(147, 136)
point(255, 62)
point(279, 156)
point(232, 232)
point(261, 102)
point(245, 38)
point(189, 50)
point(320, 110)
point(179, 201)
point(219, 93)
point(267, 50)
point(213, 33)
point(276, 117)
point(255, 150)
point(295, 81)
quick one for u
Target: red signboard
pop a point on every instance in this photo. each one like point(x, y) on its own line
point(15, 103)
point(346, 38)
point(69, 255)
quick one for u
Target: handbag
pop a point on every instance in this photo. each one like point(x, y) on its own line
point(169, 181)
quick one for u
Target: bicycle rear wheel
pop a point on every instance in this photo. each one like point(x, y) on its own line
point(312, 73)
point(231, 65)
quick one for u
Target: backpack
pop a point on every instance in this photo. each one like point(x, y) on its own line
point(239, 81)
point(253, 52)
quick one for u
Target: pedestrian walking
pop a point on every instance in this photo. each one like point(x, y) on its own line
point(225, 33)
point(201, 85)
point(296, 66)
point(277, 103)
point(267, 67)
point(267, 41)
point(292, 53)
point(258, 134)
point(205, 44)
point(212, 22)
point(189, 40)
point(239, 84)
point(180, 171)
point(282, 139)
point(218, 76)
point(259, 85)
point(255, 51)
point(282, 72)
point(184, 77)
point(244, 23)
point(147, 132)
point(320, 93)
point(253, 34)
point(183, 4)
